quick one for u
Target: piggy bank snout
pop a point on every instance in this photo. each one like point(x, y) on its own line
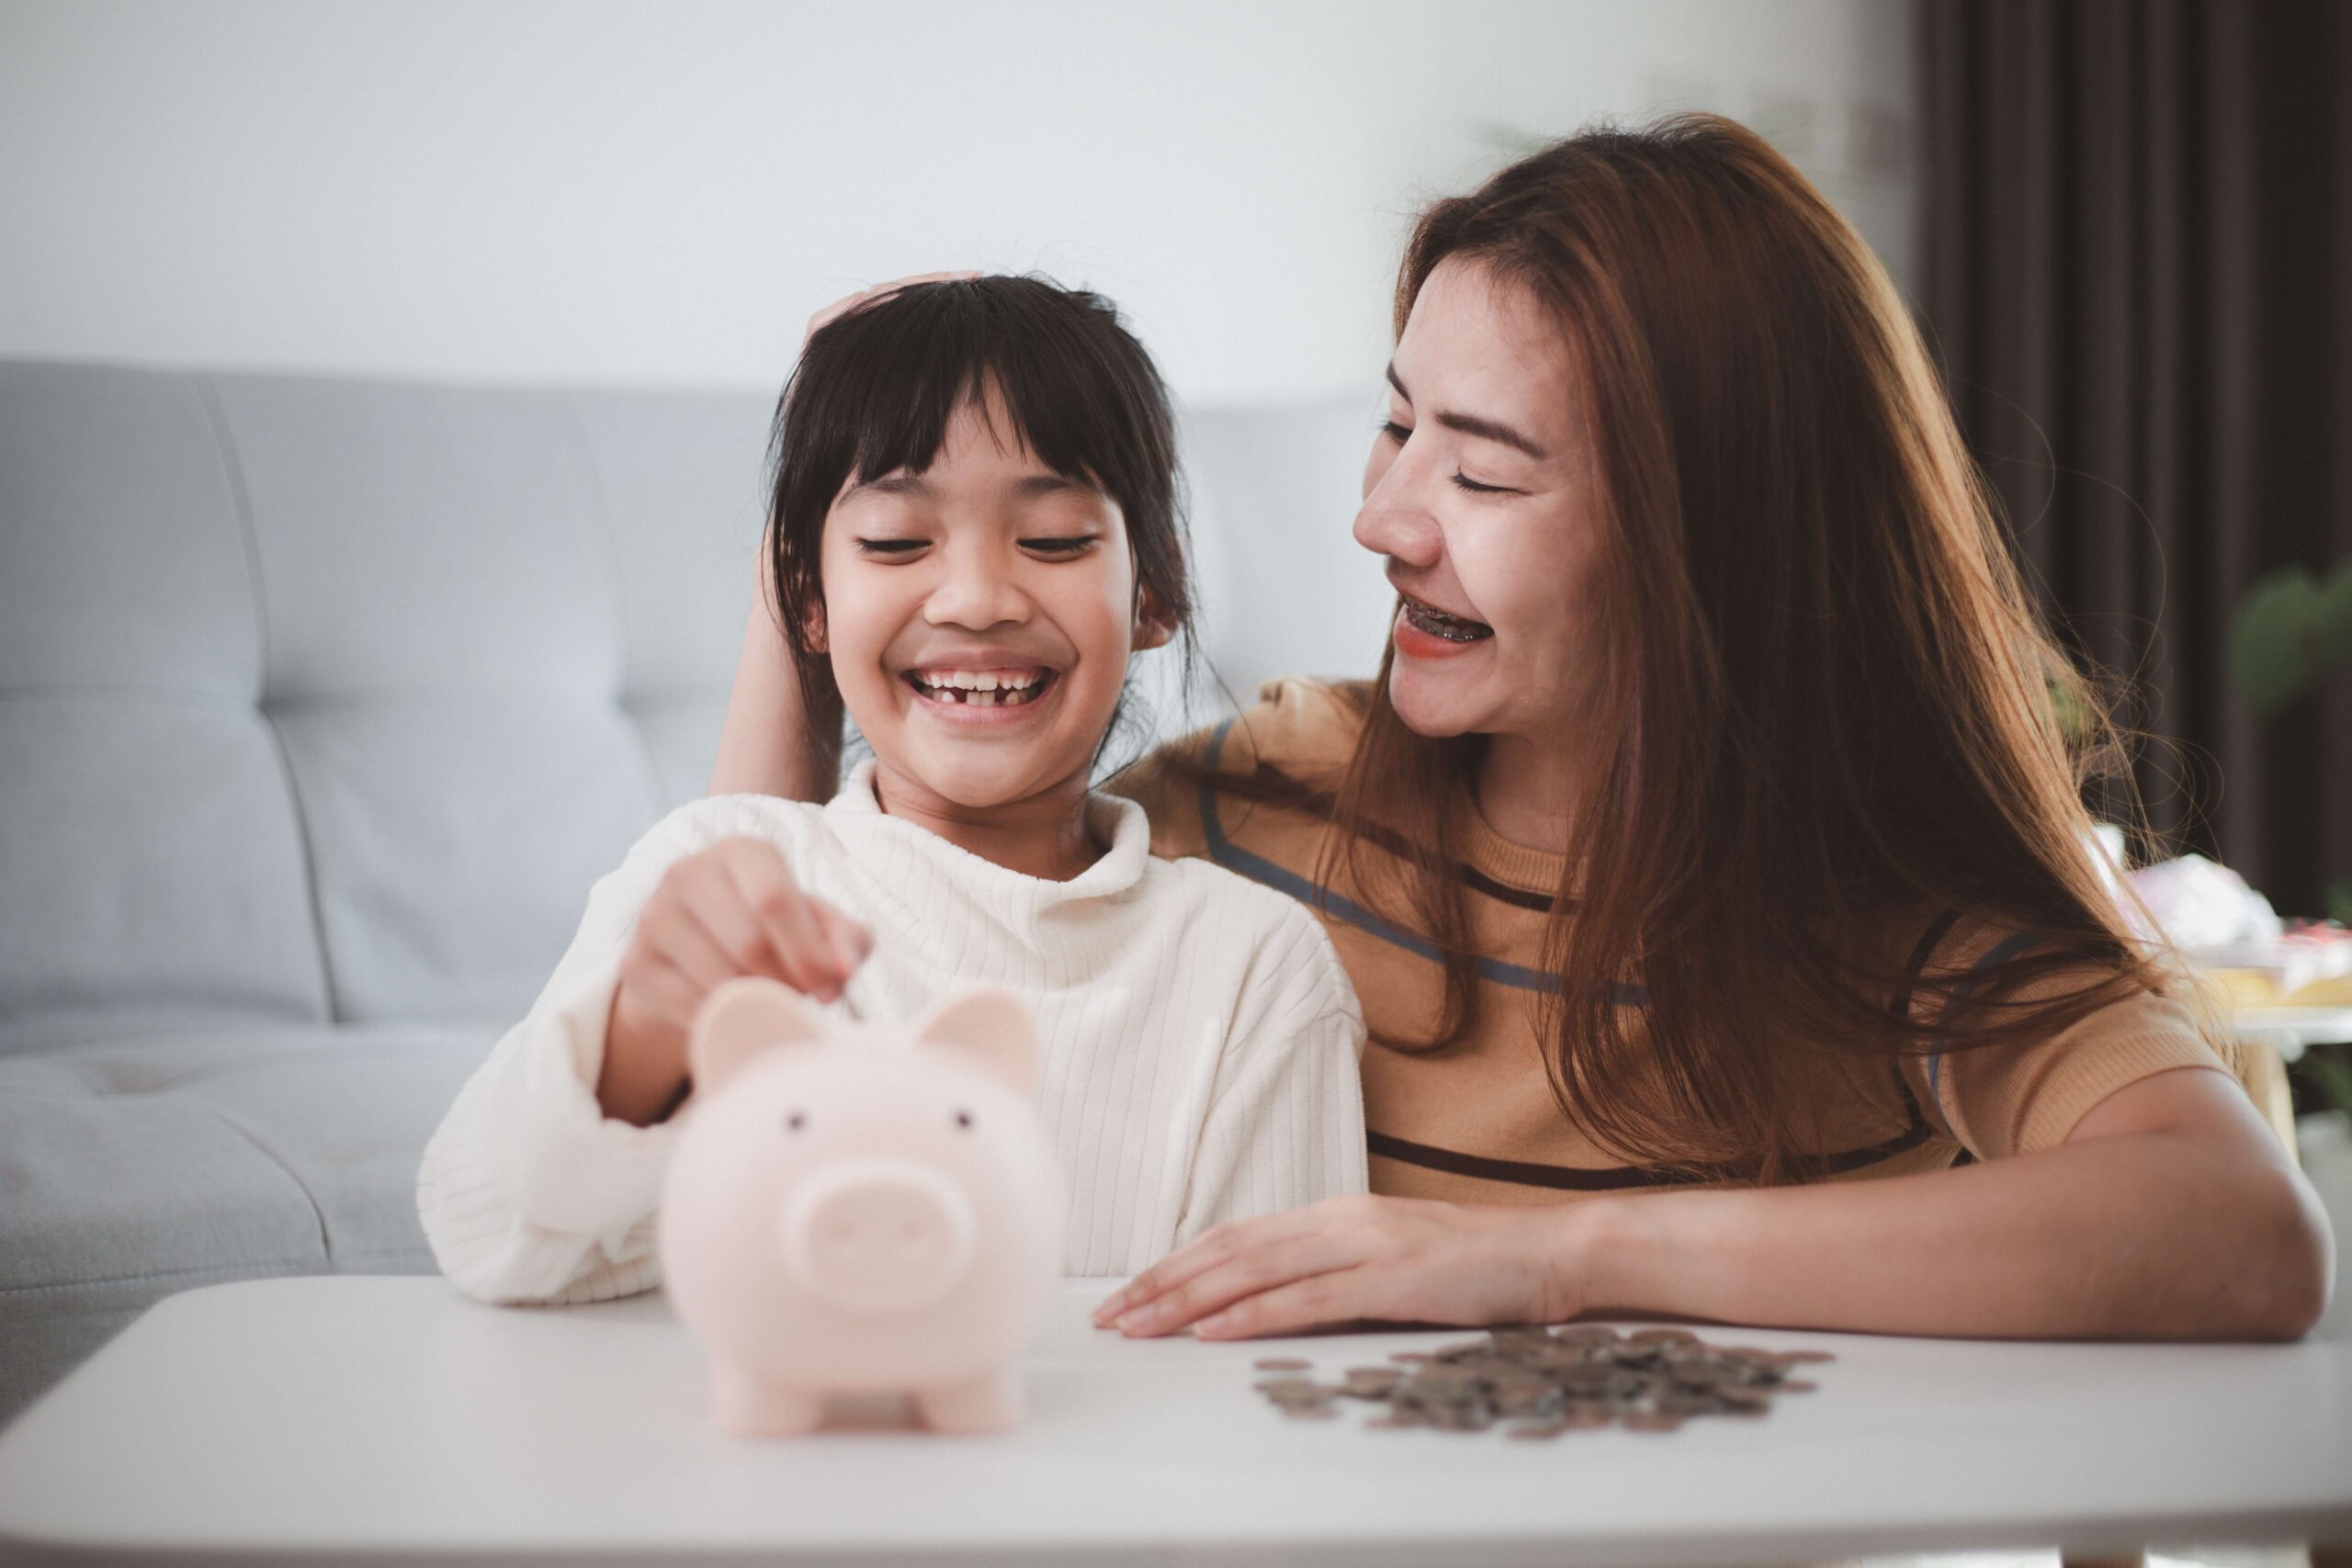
point(878, 1234)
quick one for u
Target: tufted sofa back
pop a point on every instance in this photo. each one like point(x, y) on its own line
point(326, 699)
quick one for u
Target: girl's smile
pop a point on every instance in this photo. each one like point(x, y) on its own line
point(979, 615)
point(980, 694)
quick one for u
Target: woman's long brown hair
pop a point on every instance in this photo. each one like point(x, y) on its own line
point(1828, 709)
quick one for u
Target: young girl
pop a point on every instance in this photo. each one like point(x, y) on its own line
point(974, 525)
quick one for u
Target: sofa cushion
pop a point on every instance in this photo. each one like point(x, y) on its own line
point(444, 663)
point(132, 1168)
point(237, 1148)
point(123, 560)
point(454, 840)
point(152, 867)
point(150, 851)
point(684, 489)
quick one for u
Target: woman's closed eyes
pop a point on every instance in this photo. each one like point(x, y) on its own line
point(1399, 433)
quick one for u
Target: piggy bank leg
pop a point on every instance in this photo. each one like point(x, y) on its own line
point(989, 1403)
point(746, 1405)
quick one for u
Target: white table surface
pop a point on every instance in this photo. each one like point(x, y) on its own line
point(2293, 1031)
point(390, 1419)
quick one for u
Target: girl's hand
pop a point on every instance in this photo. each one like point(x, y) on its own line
point(729, 910)
point(864, 297)
point(1346, 1260)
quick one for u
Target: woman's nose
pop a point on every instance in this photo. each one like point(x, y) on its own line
point(1391, 523)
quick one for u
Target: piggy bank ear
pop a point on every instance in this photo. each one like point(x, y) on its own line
point(994, 1030)
point(742, 1019)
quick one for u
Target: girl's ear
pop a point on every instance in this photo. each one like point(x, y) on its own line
point(743, 1019)
point(813, 628)
point(1154, 625)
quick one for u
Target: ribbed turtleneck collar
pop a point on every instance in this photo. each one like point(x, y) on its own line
point(858, 810)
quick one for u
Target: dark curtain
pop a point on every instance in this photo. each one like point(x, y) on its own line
point(2138, 249)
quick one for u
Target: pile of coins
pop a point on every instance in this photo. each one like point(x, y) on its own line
point(1550, 1380)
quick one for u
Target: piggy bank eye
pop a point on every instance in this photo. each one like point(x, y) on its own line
point(793, 1122)
point(963, 1119)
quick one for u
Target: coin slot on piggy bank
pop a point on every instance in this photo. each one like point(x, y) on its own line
point(854, 1211)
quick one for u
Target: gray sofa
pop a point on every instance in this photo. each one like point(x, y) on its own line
point(321, 705)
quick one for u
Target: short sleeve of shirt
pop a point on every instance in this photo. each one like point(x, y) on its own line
point(2009, 1099)
point(1304, 729)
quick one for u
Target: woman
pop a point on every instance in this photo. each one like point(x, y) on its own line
point(1708, 855)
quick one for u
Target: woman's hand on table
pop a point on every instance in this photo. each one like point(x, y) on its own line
point(1359, 1259)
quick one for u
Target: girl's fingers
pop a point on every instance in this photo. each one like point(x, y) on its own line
point(1250, 1274)
point(685, 944)
point(954, 275)
point(848, 942)
point(731, 929)
point(709, 922)
point(768, 893)
point(1207, 1252)
point(667, 995)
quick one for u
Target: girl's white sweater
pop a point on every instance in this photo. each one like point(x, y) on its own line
point(1200, 1061)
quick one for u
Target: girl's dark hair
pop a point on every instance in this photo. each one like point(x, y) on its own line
point(876, 389)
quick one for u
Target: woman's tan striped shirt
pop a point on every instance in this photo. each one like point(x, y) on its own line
point(1479, 1123)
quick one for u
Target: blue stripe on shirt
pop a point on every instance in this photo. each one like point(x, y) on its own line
point(1258, 869)
point(2001, 953)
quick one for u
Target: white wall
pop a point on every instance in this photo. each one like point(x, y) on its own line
point(661, 192)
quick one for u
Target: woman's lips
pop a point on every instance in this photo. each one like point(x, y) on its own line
point(1423, 632)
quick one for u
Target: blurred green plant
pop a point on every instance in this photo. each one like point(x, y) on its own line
point(2293, 628)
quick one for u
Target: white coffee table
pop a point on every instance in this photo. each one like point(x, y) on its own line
point(2293, 1031)
point(338, 1419)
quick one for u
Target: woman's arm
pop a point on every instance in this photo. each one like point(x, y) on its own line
point(2170, 1213)
point(768, 745)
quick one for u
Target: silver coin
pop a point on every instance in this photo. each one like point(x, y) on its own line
point(1663, 1337)
point(1587, 1334)
point(1542, 1383)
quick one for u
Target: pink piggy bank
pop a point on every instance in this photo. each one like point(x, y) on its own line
point(860, 1210)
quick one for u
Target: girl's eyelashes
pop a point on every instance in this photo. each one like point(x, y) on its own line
point(1057, 548)
point(1394, 431)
